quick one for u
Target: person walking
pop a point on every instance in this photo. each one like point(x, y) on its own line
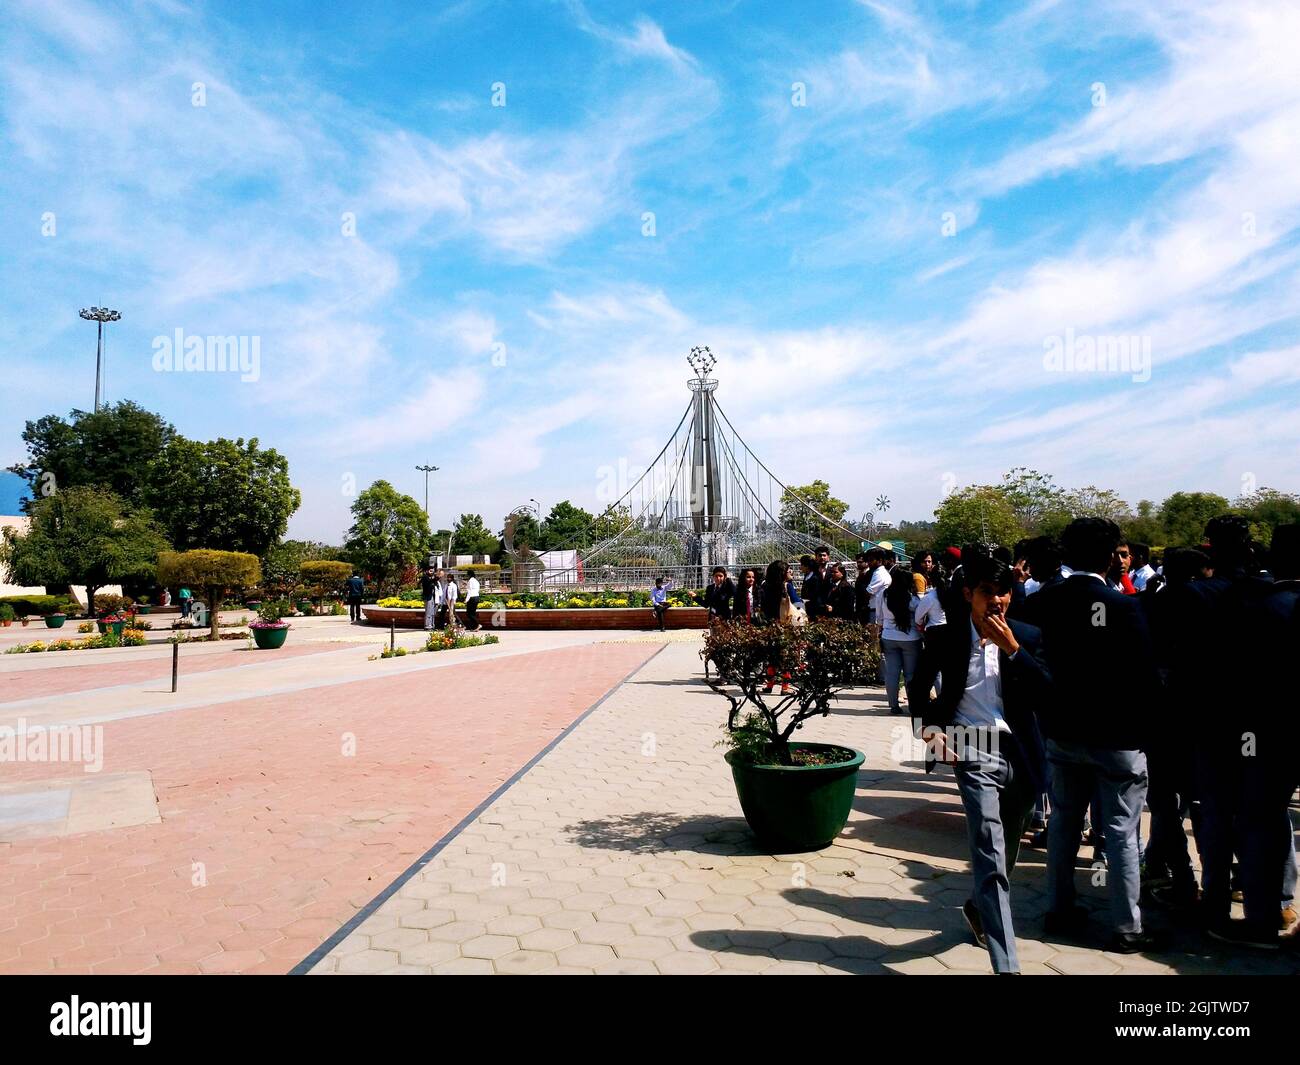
point(982, 724)
point(354, 588)
point(187, 602)
point(1098, 651)
point(780, 604)
point(471, 602)
point(445, 595)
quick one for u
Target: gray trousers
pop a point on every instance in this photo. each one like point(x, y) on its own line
point(430, 613)
point(998, 796)
point(1119, 780)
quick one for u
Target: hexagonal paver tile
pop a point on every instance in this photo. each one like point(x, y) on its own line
point(489, 946)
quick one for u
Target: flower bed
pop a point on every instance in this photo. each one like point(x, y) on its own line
point(129, 638)
point(439, 641)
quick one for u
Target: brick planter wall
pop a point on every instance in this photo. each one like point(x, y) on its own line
point(637, 618)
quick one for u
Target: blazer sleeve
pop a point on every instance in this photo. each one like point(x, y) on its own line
point(927, 669)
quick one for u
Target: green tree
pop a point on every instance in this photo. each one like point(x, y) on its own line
point(794, 515)
point(472, 537)
point(1184, 515)
point(1266, 509)
point(609, 523)
point(566, 527)
point(282, 563)
point(978, 513)
point(115, 448)
point(389, 533)
point(1144, 526)
point(527, 533)
point(83, 535)
point(216, 572)
point(1034, 497)
point(324, 577)
point(223, 494)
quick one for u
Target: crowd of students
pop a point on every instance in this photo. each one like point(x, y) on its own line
point(1072, 683)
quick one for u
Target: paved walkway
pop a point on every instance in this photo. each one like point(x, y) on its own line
point(232, 830)
point(623, 851)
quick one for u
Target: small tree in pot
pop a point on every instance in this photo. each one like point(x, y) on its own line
point(795, 796)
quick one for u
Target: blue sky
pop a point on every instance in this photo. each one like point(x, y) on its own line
point(880, 260)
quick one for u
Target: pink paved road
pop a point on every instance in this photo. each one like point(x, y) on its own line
point(57, 679)
point(293, 835)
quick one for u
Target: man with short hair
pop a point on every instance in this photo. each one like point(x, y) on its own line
point(659, 602)
point(993, 683)
point(1106, 693)
point(877, 584)
point(719, 594)
point(1142, 570)
point(355, 589)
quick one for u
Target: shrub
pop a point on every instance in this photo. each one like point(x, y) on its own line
point(106, 603)
point(6, 612)
point(821, 659)
point(216, 571)
point(42, 605)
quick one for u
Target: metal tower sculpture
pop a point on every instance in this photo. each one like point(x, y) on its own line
point(705, 500)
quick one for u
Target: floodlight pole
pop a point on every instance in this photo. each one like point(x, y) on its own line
point(99, 315)
point(427, 470)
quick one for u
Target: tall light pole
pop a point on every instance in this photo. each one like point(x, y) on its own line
point(427, 470)
point(99, 315)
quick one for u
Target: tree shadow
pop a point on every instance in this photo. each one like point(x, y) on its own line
point(650, 833)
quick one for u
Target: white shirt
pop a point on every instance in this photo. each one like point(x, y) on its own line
point(451, 593)
point(981, 703)
point(930, 611)
point(880, 580)
point(471, 588)
point(1031, 586)
point(1141, 577)
point(890, 631)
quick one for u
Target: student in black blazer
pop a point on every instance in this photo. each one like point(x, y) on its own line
point(1107, 695)
point(747, 605)
point(841, 600)
point(983, 724)
point(719, 595)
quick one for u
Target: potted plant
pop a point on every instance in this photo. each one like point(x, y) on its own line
point(270, 630)
point(6, 615)
point(142, 605)
point(55, 620)
point(113, 623)
point(796, 796)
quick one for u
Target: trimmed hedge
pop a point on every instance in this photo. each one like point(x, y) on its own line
point(41, 605)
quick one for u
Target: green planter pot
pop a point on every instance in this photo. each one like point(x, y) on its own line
point(141, 608)
point(270, 639)
point(53, 621)
point(795, 809)
point(116, 626)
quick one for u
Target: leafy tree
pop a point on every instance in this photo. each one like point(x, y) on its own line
point(1266, 509)
point(325, 577)
point(795, 516)
point(1144, 526)
point(390, 533)
point(115, 448)
point(282, 563)
point(974, 514)
point(83, 535)
point(216, 572)
point(472, 537)
point(610, 523)
point(527, 533)
point(224, 494)
point(1034, 496)
point(1185, 514)
point(566, 527)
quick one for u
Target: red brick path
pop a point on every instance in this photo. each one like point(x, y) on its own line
point(293, 836)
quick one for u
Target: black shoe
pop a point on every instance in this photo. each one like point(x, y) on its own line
point(1175, 896)
point(973, 922)
point(1134, 943)
point(1071, 922)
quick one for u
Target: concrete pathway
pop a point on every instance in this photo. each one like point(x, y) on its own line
point(623, 851)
